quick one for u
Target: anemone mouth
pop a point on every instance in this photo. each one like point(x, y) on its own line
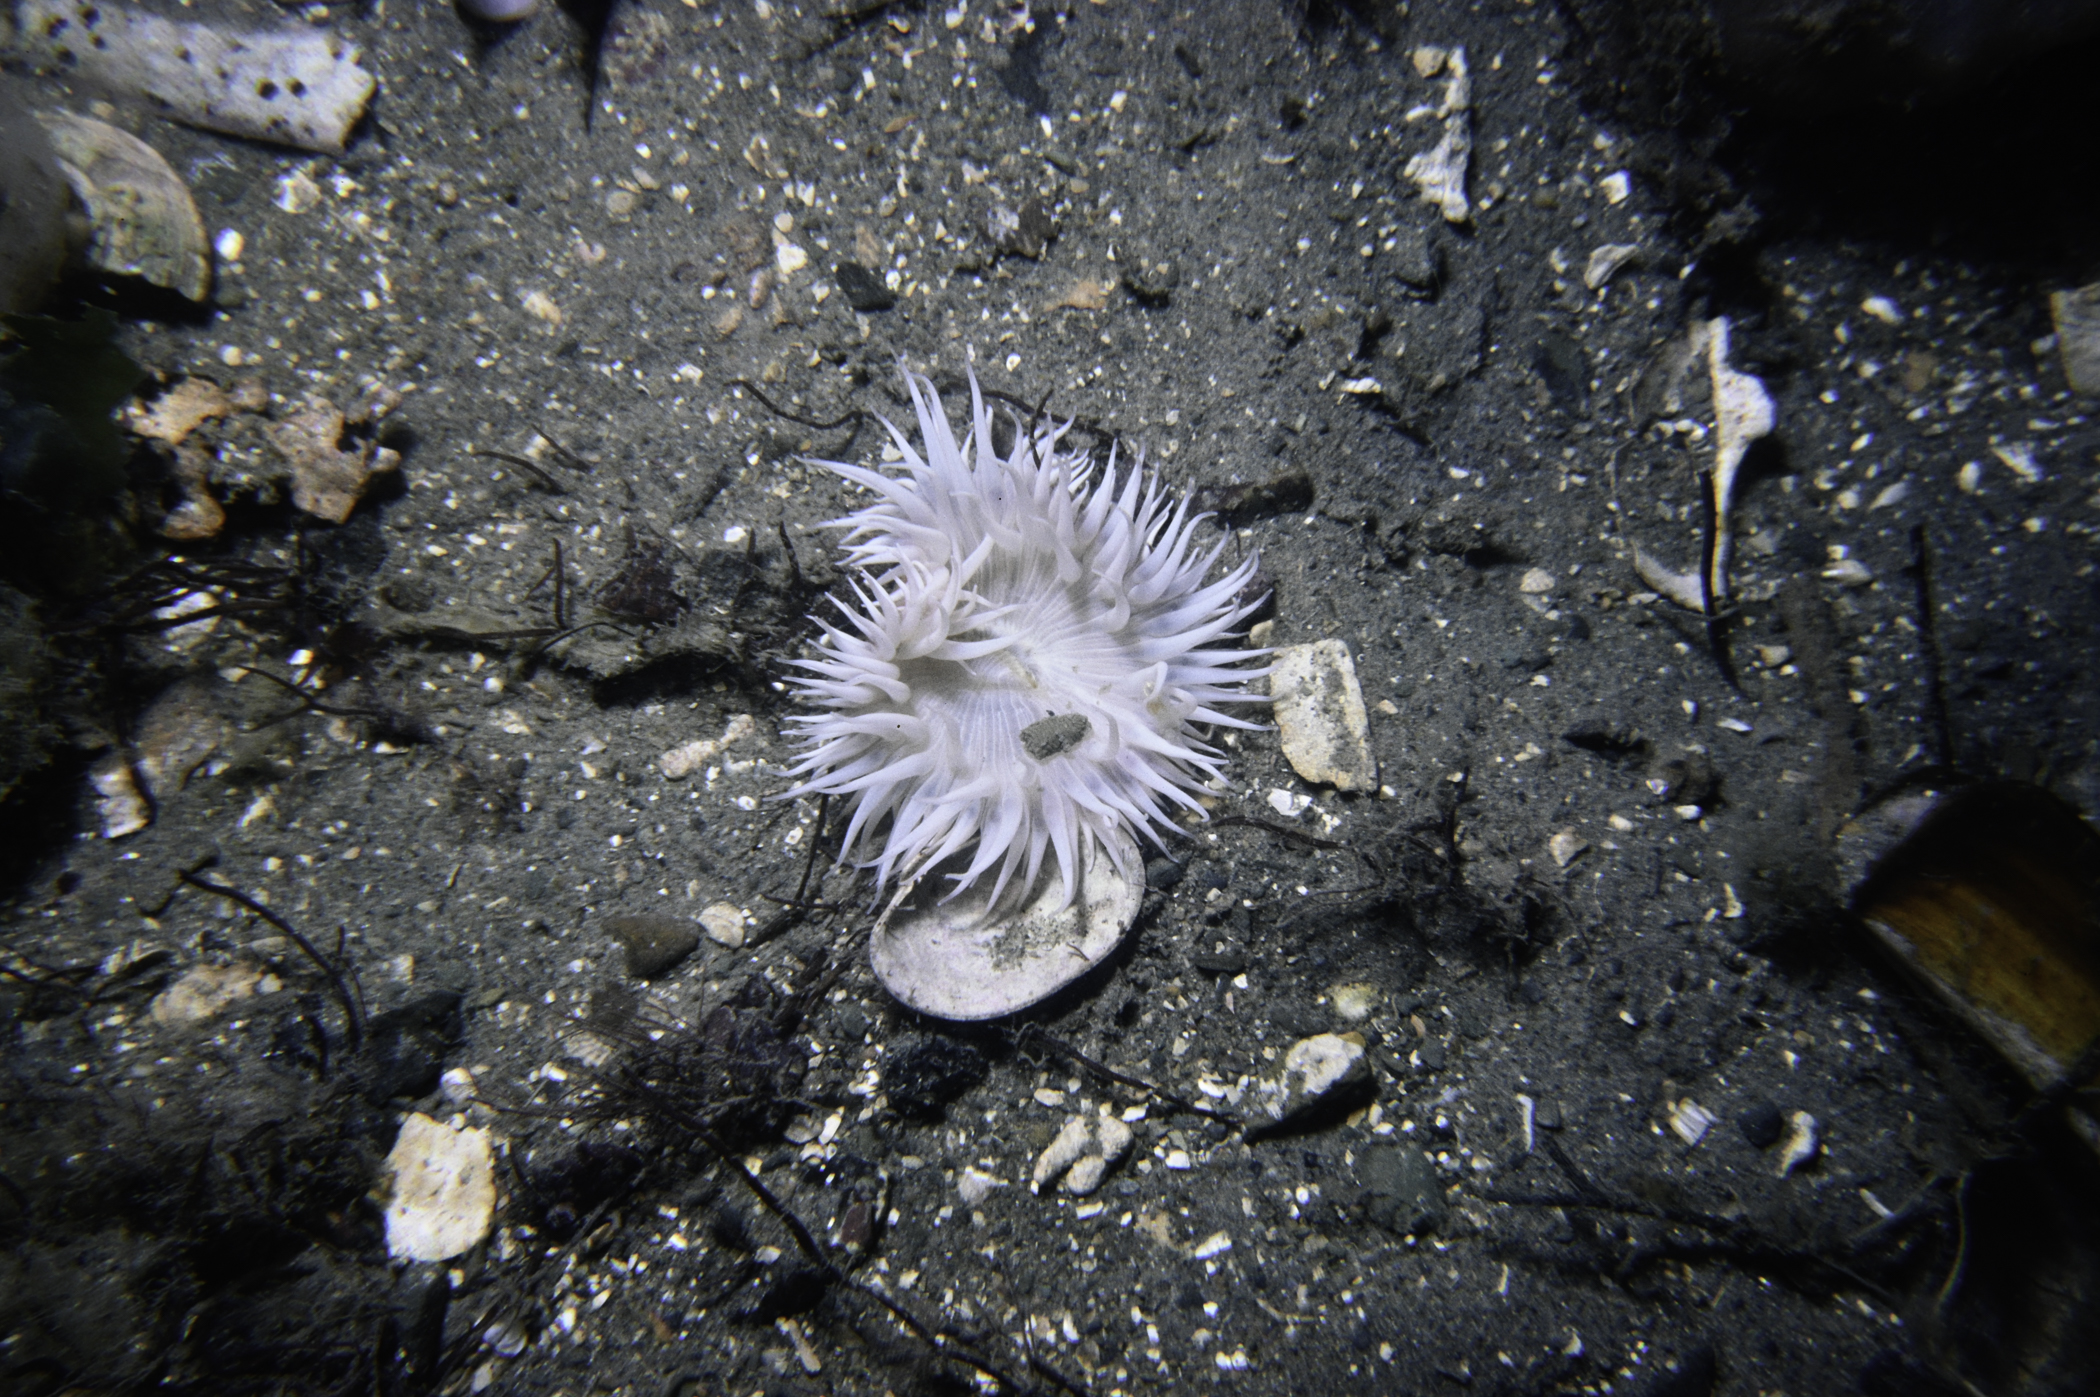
point(972, 955)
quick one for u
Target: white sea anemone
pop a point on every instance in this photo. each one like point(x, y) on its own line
point(1024, 661)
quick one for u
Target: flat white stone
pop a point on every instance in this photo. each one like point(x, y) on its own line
point(964, 959)
point(1320, 715)
point(441, 1190)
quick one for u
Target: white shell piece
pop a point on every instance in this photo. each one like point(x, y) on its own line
point(1605, 261)
point(1690, 1121)
point(962, 959)
point(141, 219)
point(295, 86)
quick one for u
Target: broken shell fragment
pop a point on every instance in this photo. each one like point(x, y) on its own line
point(327, 479)
point(199, 515)
point(2077, 317)
point(141, 219)
point(1083, 1153)
point(1689, 1121)
point(1439, 175)
point(1605, 262)
point(170, 418)
point(1743, 412)
point(1990, 895)
point(120, 807)
point(206, 991)
point(965, 959)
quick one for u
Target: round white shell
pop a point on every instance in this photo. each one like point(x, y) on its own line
point(954, 961)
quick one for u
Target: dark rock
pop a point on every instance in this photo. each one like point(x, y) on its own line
point(1526, 657)
point(1229, 961)
point(1530, 991)
point(1022, 232)
point(1289, 493)
point(852, 1022)
point(406, 1046)
point(567, 1185)
point(927, 1073)
point(1431, 1053)
point(1415, 260)
point(1300, 1020)
point(1163, 873)
point(1689, 779)
point(1762, 1125)
point(1605, 738)
point(422, 1294)
point(412, 595)
point(794, 1290)
point(1151, 278)
point(1560, 364)
point(1448, 344)
point(654, 941)
point(1400, 1189)
point(1692, 1375)
point(863, 289)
